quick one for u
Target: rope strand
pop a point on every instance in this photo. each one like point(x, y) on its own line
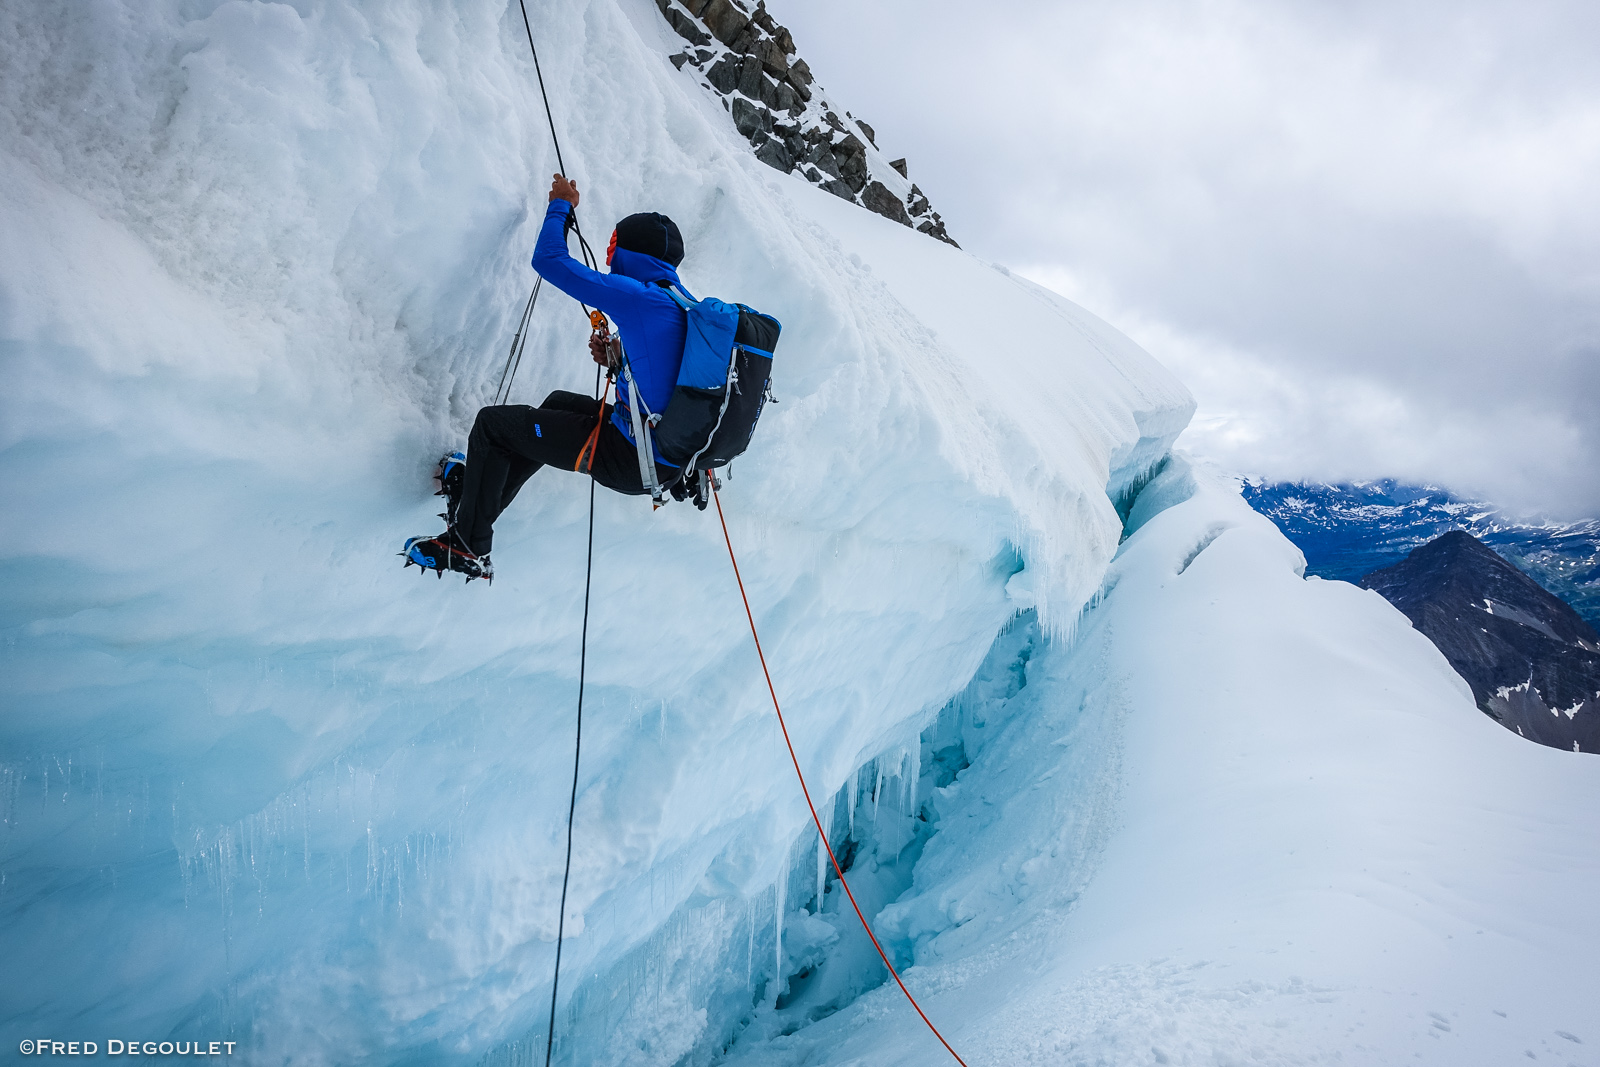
point(588, 575)
point(577, 752)
point(519, 341)
point(540, 75)
point(509, 375)
point(823, 834)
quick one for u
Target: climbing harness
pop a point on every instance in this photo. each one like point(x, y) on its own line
point(823, 834)
point(600, 332)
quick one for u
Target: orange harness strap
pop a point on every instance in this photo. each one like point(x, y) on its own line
point(585, 461)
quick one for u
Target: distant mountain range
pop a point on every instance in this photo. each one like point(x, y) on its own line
point(1532, 663)
point(1349, 530)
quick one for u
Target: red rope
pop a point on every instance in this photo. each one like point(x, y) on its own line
point(823, 834)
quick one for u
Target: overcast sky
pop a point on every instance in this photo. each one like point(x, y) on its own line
point(1367, 235)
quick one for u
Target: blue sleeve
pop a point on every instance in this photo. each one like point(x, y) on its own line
point(610, 293)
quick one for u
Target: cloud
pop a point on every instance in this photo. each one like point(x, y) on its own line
point(1366, 234)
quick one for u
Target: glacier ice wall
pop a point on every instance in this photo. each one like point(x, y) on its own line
point(260, 264)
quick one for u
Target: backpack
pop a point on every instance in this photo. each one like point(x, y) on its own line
point(723, 383)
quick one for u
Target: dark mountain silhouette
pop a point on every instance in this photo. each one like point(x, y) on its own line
point(1532, 662)
point(1352, 528)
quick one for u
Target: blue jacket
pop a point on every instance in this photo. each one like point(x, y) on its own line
point(650, 323)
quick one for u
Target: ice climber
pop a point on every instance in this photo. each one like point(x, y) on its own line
point(510, 442)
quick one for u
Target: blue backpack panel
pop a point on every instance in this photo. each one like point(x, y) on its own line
point(724, 382)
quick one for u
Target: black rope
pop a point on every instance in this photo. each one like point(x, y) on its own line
point(519, 341)
point(540, 74)
point(513, 361)
point(588, 253)
point(577, 749)
point(514, 357)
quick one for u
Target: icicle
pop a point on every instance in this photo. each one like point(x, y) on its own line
point(914, 761)
point(822, 867)
point(853, 799)
point(777, 933)
point(877, 787)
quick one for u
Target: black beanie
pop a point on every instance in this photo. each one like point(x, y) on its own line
point(653, 234)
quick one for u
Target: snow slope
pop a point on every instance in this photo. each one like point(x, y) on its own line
point(260, 265)
point(1245, 818)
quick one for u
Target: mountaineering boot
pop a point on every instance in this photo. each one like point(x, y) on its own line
point(447, 553)
point(450, 473)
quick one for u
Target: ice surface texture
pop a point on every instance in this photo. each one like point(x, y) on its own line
point(260, 265)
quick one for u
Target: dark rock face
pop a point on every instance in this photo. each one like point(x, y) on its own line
point(851, 155)
point(785, 99)
point(686, 26)
point(724, 20)
point(821, 157)
point(877, 197)
point(774, 153)
point(748, 117)
point(773, 57)
point(1532, 662)
point(759, 78)
point(838, 188)
point(930, 223)
point(752, 82)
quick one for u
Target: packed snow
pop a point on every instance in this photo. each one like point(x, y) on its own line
point(1244, 818)
point(1098, 754)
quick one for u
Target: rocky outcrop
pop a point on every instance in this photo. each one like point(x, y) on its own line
point(927, 219)
point(747, 59)
point(1532, 662)
point(877, 197)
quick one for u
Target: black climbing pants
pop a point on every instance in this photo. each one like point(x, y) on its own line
point(511, 442)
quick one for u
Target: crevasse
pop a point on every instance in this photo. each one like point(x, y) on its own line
point(261, 264)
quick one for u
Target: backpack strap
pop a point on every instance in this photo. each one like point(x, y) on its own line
point(642, 421)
